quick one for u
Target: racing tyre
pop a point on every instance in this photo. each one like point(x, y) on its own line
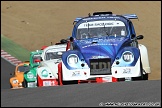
point(37, 82)
point(121, 79)
point(69, 82)
point(143, 76)
point(10, 85)
point(24, 84)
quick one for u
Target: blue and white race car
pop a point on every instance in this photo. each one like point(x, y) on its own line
point(104, 48)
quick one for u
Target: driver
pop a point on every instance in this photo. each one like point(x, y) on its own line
point(101, 32)
point(83, 34)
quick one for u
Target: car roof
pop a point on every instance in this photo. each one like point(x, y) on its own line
point(56, 46)
point(22, 63)
point(104, 16)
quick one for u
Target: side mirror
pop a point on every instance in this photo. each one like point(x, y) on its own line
point(63, 41)
point(140, 37)
point(71, 39)
point(133, 36)
point(41, 59)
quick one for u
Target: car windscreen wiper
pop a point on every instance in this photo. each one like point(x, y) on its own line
point(105, 30)
point(88, 30)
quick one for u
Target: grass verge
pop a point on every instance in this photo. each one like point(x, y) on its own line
point(14, 49)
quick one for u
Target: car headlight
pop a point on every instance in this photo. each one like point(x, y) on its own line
point(30, 75)
point(44, 73)
point(72, 59)
point(20, 84)
point(14, 81)
point(128, 56)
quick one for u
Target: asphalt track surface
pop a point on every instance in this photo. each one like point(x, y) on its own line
point(82, 95)
point(6, 69)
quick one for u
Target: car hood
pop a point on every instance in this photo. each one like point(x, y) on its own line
point(100, 47)
point(52, 65)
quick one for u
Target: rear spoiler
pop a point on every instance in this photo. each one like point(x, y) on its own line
point(130, 16)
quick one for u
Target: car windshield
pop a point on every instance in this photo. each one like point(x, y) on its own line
point(53, 55)
point(101, 28)
point(23, 68)
point(36, 57)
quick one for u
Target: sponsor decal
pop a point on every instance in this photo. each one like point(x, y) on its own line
point(100, 66)
point(76, 73)
point(128, 56)
point(44, 73)
point(102, 17)
point(95, 24)
point(49, 83)
point(30, 75)
point(112, 44)
point(98, 24)
point(31, 84)
point(127, 71)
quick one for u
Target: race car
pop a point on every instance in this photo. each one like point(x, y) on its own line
point(18, 78)
point(30, 76)
point(104, 48)
point(47, 72)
